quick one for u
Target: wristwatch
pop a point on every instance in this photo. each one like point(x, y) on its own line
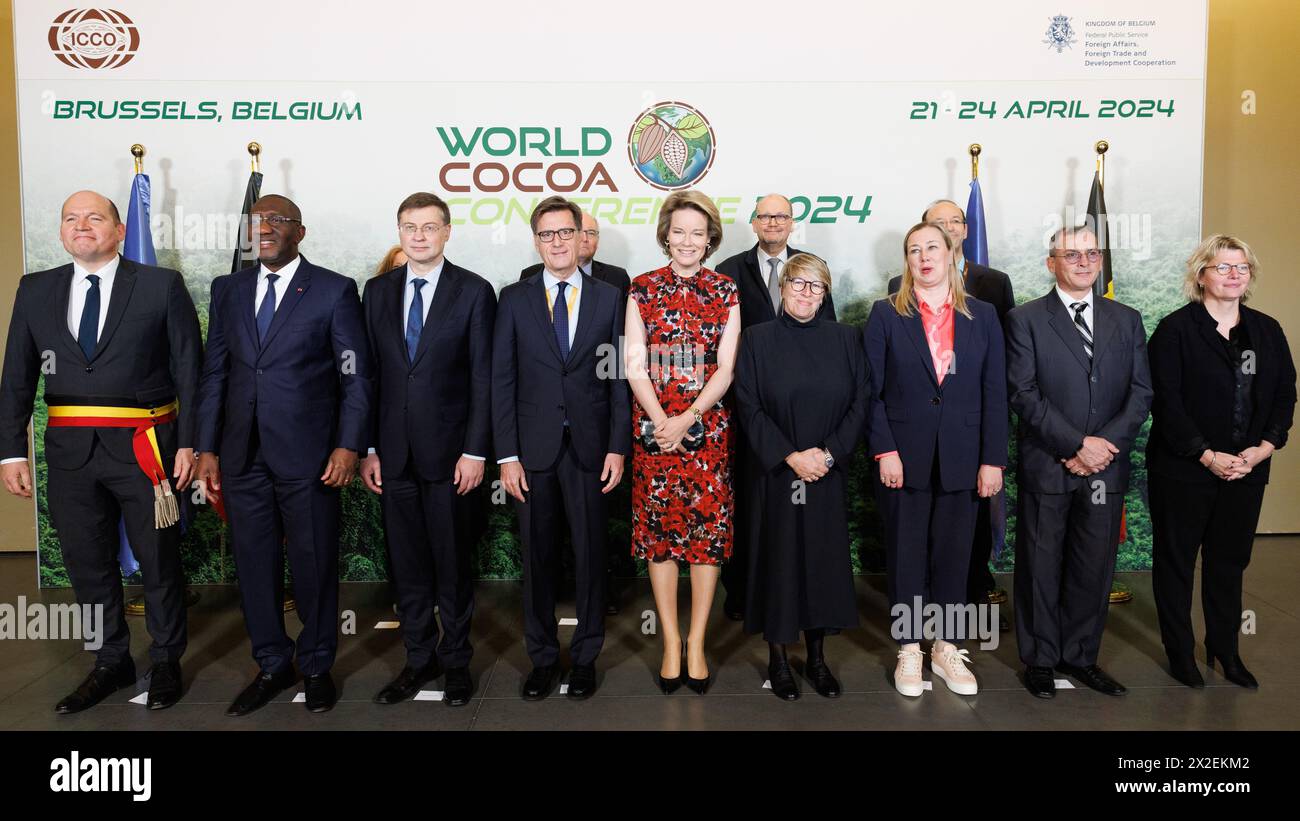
point(830, 460)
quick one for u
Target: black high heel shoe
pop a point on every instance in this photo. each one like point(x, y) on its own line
point(699, 685)
point(1233, 669)
point(670, 685)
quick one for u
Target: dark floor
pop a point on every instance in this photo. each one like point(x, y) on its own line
point(36, 674)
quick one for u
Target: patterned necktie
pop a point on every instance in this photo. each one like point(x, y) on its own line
point(88, 329)
point(1082, 324)
point(415, 318)
point(560, 319)
point(266, 311)
point(774, 284)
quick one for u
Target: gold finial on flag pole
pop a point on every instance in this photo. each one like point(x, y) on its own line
point(254, 151)
point(975, 150)
point(1101, 147)
point(137, 151)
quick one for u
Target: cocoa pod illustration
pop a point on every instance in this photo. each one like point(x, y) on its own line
point(674, 153)
point(651, 142)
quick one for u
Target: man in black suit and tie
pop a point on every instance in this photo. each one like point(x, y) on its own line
point(284, 409)
point(994, 287)
point(562, 424)
point(757, 273)
point(620, 552)
point(429, 323)
point(588, 244)
point(1079, 381)
point(119, 346)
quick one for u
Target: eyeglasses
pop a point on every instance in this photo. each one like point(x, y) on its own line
point(590, 234)
point(428, 229)
point(565, 233)
point(799, 284)
point(1224, 268)
point(274, 220)
point(777, 219)
point(1073, 256)
point(955, 222)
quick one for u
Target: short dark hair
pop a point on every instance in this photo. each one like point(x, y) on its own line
point(556, 203)
point(423, 199)
point(292, 206)
point(112, 206)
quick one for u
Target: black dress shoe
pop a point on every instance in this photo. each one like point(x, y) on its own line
point(459, 687)
point(164, 685)
point(1040, 681)
point(1233, 669)
point(321, 693)
point(826, 685)
point(99, 685)
point(582, 681)
point(782, 680)
point(539, 682)
point(408, 683)
point(264, 688)
point(1095, 678)
point(1184, 670)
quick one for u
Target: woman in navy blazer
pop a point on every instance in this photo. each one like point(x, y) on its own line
point(938, 429)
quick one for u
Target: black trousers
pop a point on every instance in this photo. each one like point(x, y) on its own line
point(1066, 544)
point(430, 544)
point(735, 571)
point(1217, 520)
point(564, 485)
point(86, 505)
point(979, 582)
point(270, 516)
point(927, 550)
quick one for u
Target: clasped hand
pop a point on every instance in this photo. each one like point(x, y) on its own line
point(670, 430)
point(809, 465)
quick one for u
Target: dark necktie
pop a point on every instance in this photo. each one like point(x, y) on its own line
point(266, 311)
point(774, 285)
point(1082, 324)
point(560, 319)
point(415, 318)
point(88, 330)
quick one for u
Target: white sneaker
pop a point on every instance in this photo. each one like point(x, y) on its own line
point(907, 673)
point(949, 664)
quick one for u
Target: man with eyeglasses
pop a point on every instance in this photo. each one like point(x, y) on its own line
point(1079, 380)
point(429, 323)
point(994, 287)
point(284, 409)
point(620, 550)
point(758, 273)
point(562, 425)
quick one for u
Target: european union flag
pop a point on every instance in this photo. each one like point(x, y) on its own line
point(976, 247)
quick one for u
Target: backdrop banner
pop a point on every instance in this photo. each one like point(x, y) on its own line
point(861, 115)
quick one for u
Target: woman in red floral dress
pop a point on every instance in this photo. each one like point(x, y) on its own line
point(683, 326)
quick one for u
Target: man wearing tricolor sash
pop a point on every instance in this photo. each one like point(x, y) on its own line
point(119, 346)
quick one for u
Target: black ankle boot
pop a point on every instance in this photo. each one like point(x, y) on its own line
point(816, 670)
point(1183, 668)
point(1233, 669)
point(779, 673)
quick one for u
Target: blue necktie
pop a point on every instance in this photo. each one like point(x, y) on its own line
point(415, 319)
point(88, 330)
point(560, 319)
point(266, 311)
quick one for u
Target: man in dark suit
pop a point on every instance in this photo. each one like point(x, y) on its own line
point(562, 423)
point(429, 323)
point(757, 273)
point(119, 345)
point(284, 408)
point(994, 287)
point(1079, 381)
point(620, 550)
point(588, 244)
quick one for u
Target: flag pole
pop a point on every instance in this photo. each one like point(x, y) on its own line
point(255, 155)
point(137, 151)
point(1101, 148)
point(975, 150)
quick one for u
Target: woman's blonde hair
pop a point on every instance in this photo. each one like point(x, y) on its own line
point(905, 299)
point(806, 264)
point(1205, 254)
point(389, 262)
point(696, 201)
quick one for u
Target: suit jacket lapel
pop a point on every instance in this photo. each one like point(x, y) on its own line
point(396, 294)
point(586, 318)
point(1103, 325)
point(961, 337)
point(245, 294)
point(296, 290)
point(123, 283)
point(916, 332)
point(1063, 324)
point(751, 262)
point(61, 298)
point(444, 296)
point(537, 300)
point(1209, 330)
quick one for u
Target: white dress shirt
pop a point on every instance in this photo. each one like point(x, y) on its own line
point(281, 285)
point(765, 269)
point(1088, 313)
point(81, 286)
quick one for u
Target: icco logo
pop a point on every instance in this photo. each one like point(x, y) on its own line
point(671, 146)
point(94, 38)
